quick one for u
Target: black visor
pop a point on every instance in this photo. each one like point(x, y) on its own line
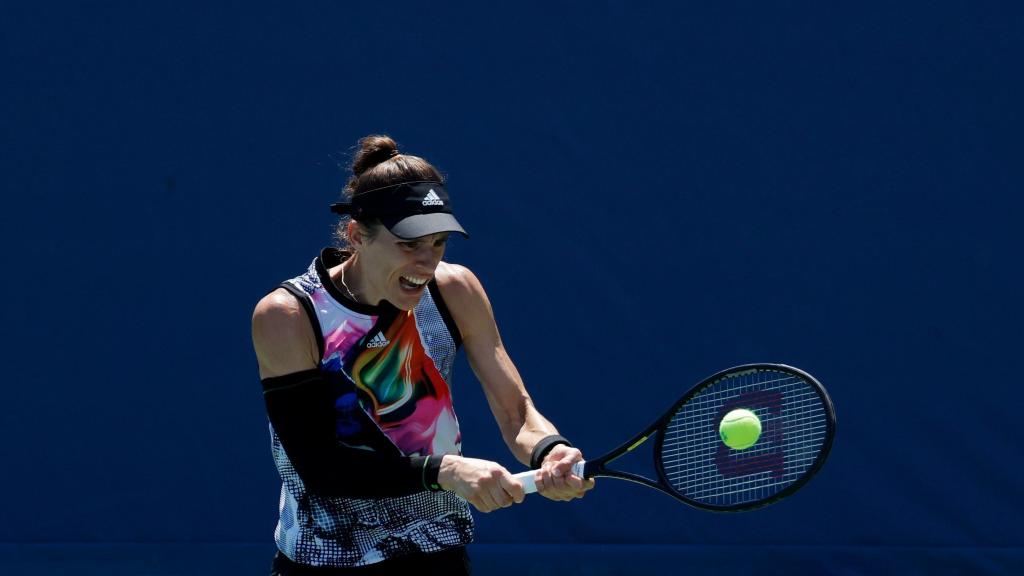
point(407, 210)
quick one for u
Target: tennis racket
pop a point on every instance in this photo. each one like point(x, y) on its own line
point(696, 467)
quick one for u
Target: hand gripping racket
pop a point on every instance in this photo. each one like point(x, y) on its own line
point(696, 467)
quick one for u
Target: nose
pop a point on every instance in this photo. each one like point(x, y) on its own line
point(428, 256)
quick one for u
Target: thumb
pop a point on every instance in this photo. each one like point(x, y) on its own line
point(513, 487)
point(563, 467)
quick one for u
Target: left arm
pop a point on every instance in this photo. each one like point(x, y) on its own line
point(522, 426)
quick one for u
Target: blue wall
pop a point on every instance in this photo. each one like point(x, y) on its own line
point(655, 192)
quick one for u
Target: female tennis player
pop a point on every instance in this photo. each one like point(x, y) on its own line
point(355, 357)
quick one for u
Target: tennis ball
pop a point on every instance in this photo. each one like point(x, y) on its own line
point(740, 429)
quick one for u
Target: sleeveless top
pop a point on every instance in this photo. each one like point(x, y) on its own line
point(390, 371)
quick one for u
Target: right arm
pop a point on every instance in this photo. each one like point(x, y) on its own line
point(301, 410)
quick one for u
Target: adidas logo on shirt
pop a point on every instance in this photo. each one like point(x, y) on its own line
point(432, 199)
point(378, 341)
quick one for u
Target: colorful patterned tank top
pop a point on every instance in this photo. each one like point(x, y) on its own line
point(395, 366)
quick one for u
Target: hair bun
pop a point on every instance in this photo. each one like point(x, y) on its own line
point(373, 150)
point(371, 169)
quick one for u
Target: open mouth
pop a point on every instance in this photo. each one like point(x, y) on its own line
point(412, 283)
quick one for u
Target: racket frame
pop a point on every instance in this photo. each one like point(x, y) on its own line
point(597, 468)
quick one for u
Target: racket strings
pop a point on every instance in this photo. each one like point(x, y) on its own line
point(800, 427)
point(794, 427)
point(695, 458)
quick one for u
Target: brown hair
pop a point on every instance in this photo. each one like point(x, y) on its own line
point(377, 164)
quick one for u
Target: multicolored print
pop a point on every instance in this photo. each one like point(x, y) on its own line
point(342, 332)
point(401, 388)
point(410, 400)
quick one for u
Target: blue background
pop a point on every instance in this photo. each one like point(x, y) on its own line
point(655, 191)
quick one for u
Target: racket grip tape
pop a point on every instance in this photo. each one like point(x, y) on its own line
point(529, 481)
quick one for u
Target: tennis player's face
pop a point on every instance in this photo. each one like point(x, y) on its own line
point(397, 270)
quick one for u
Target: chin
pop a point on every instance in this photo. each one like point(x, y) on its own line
point(403, 302)
point(406, 301)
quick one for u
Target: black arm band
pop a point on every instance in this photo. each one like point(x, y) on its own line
point(431, 469)
point(301, 408)
point(540, 451)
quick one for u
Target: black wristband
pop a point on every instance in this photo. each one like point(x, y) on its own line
point(540, 451)
point(431, 469)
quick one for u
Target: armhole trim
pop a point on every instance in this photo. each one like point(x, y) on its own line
point(307, 305)
point(446, 315)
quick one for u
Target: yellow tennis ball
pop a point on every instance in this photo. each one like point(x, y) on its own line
point(740, 429)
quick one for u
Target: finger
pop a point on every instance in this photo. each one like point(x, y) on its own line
point(480, 504)
point(555, 484)
point(586, 485)
point(558, 481)
point(540, 480)
point(500, 497)
point(487, 498)
point(543, 479)
point(574, 482)
point(513, 488)
point(550, 485)
point(563, 471)
point(547, 467)
point(562, 467)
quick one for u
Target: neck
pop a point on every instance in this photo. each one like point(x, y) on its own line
point(350, 278)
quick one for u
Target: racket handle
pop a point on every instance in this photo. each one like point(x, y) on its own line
point(530, 483)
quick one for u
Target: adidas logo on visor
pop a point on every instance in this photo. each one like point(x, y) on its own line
point(432, 199)
point(378, 341)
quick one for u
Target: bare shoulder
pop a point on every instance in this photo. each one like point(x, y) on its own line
point(466, 299)
point(457, 280)
point(277, 311)
point(282, 335)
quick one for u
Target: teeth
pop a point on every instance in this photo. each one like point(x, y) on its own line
point(416, 281)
